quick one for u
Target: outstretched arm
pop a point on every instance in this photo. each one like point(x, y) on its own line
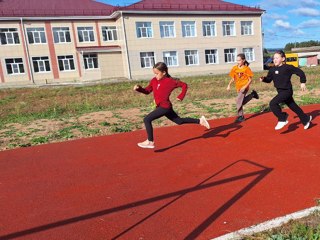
point(230, 82)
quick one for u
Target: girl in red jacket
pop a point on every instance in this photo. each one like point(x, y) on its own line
point(162, 85)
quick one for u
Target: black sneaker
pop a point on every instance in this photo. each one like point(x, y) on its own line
point(239, 119)
point(255, 94)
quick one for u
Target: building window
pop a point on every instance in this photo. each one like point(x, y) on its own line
point(66, 63)
point(85, 34)
point(170, 58)
point(211, 56)
point(14, 66)
point(188, 28)
point(90, 61)
point(246, 28)
point(228, 28)
point(230, 55)
point(109, 33)
point(248, 52)
point(9, 36)
point(167, 30)
point(41, 64)
point(191, 57)
point(147, 59)
point(36, 35)
point(61, 34)
point(144, 30)
point(209, 28)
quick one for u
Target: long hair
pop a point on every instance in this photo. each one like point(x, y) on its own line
point(162, 67)
point(243, 57)
point(282, 54)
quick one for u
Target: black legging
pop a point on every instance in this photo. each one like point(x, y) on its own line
point(285, 96)
point(170, 114)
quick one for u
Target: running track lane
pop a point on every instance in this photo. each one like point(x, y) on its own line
point(196, 184)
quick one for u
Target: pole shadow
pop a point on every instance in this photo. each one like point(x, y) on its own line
point(213, 132)
point(261, 173)
point(294, 126)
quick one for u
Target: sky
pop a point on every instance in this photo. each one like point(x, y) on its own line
point(285, 21)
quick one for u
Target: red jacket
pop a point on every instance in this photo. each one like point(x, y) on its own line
point(162, 89)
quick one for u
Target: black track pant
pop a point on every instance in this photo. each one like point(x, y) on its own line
point(285, 96)
point(170, 114)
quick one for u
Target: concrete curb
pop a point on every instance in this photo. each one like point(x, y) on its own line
point(277, 222)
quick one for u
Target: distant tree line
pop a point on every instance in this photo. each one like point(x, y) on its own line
point(311, 43)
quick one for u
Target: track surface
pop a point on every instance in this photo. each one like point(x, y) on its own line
point(196, 183)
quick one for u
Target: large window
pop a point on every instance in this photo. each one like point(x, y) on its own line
point(14, 66)
point(191, 57)
point(66, 63)
point(230, 55)
point(211, 56)
point(167, 30)
point(188, 28)
point(246, 28)
point(9, 36)
point(248, 52)
point(90, 61)
point(228, 28)
point(170, 58)
point(61, 34)
point(144, 30)
point(109, 33)
point(209, 28)
point(85, 34)
point(147, 59)
point(36, 35)
point(41, 64)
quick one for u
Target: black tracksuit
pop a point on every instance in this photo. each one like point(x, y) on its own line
point(281, 77)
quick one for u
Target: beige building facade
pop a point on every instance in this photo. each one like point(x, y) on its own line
point(126, 44)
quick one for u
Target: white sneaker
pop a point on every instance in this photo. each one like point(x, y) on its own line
point(146, 144)
point(308, 124)
point(204, 122)
point(281, 125)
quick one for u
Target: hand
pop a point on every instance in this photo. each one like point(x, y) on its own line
point(228, 88)
point(261, 79)
point(303, 86)
point(136, 87)
point(179, 99)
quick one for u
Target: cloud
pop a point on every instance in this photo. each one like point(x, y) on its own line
point(275, 16)
point(282, 24)
point(310, 23)
point(309, 12)
point(309, 3)
point(266, 4)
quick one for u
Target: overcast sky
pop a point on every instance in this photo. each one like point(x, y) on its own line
point(284, 21)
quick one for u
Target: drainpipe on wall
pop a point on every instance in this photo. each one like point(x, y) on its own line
point(126, 46)
point(27, 50)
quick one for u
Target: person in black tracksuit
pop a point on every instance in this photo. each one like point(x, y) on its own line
point(281, 74)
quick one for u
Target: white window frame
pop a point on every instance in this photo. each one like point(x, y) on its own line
point(90, 61)
point(167, 29)
point(17, 66)
point(189, 29)
point(170, 58)
point(209, 28)
point(109, 33)
point(191, 57)
point(36, 35)
point(229, 28)
point(85, 34)
point(144, 30)
point(249, 53)
point(147, 59)
point(230, 55)
point(67, 62)
point(61, 34)
point(211, 56)
point(43, 64)
point(246, 28)
point(9, 36)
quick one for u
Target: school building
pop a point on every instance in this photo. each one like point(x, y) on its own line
point(54, 41)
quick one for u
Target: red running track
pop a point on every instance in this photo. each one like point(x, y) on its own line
point(196, 184)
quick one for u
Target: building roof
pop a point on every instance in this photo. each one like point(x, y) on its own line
point(190, 5)
point(53, 8)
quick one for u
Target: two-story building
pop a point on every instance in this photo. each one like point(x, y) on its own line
point(51, 41)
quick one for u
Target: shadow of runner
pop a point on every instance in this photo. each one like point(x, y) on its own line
point(213, 132)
